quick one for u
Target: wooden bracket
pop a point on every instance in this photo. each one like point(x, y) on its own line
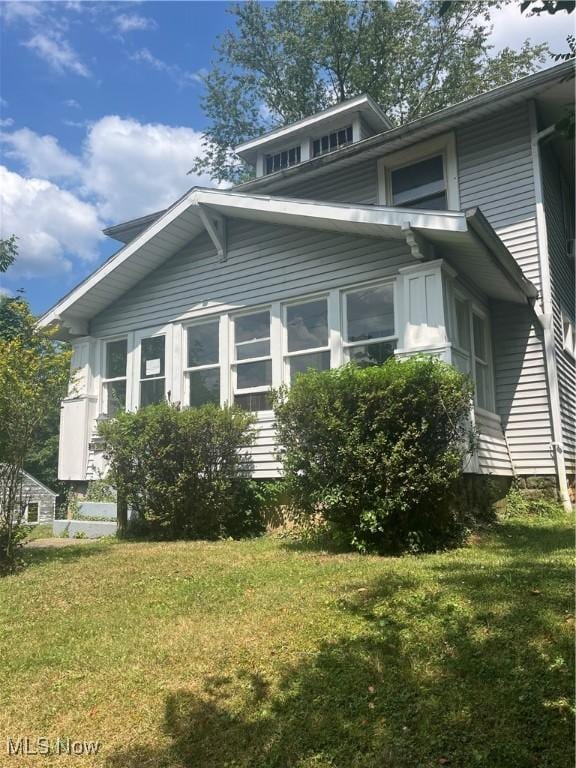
point(215, 225)
point(419, 248)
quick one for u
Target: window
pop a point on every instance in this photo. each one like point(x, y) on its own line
point(482, 373)
point(32, 512)
point(284, 159)
point(369, 327)
point(152, 370)
point(420, 185)
point(461, 349)
point(116, 353)
point(306, 339)
point(568, 335)
point(471, 350)
point(203, 363)
point(252, 367)
point(424, 176)
point(332, 141)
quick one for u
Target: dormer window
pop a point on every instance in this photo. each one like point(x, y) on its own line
point(284, 159)
point(332, 141)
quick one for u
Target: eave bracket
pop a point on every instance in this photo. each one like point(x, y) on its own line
point(215, 225)
point(420, 249)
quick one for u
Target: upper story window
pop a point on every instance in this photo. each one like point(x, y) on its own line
point(369, 325)
point(116, 354)
point(252, 365)
point(332, 141)
point(424, 176)
point(283, 159)
point(152, 370)
point(203, 363)
point(420, 185)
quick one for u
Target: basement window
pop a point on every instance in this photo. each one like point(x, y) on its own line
point(284, 159)
point(332, 141)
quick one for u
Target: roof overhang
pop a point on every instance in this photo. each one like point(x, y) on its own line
point(464, 239)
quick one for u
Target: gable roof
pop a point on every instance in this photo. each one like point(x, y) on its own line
point(464, 236)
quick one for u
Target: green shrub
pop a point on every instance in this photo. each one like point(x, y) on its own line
point(183, 471)
point(518, 504)
point(378, 451)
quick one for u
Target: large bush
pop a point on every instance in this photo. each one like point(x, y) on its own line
point(184, 472)
point(378, 451)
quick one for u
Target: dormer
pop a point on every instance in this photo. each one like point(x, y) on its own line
point(336, 127)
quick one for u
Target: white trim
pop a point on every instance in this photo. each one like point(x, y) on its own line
point(444, 145)
point(547, 314)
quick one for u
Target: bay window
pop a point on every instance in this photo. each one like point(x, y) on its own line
point(471, 350)
point(252, 362)
point(203, 363)
point(152, 370)
point(369, 326)
point(306, 337)
point(482, 372)
point(114, 383)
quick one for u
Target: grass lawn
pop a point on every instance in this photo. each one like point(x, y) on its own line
point(261, 654)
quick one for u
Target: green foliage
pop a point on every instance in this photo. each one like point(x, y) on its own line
point(34, 372)
point(8, 252)
point(518, 504)
point(182, 471)
point(378, 451)
point(101, 490)
point(287, 60)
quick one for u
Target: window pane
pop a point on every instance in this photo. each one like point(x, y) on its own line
point(462, 325)
point(152, 357)
point(116, 354)
point(115, 397)
point(479, 328)
point(371, 354)
point(254, 401)
point(482, 386)
point(307, 325)
point(204, 387)
point(253, 349)
point(203, 344)
point(319, 361)
point(418, 181)
point(250, 327)
point(151, 392)
point(432, 203)
point(370, 313)
point(33, 512)
point(249, 375)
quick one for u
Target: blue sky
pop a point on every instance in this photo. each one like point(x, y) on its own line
point(100, 120)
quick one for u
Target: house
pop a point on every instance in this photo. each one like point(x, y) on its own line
point(38, 501)
point(452, 235)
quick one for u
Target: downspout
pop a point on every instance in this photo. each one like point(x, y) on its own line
point(546, 316)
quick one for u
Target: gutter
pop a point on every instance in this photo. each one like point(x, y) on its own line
point(546, 316)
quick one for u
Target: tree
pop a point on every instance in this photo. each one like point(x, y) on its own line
point(288, 60)
point(34, 371)
point(8, 251)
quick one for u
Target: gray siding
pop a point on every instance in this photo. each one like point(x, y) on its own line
point(496, 174)
point(562, 281)
point(34, 492)
point(357, 184)
point(493, 456)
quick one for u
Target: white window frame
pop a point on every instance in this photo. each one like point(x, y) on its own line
point(347, 345)
point(444, 145)
point(104, 381)
point(568, 335)
point(186, 369)
point(347, 127)
point(32, 522)
point(149, 333)
point(286, 355)
point(232, 362)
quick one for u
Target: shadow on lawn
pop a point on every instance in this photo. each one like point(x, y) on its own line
point(37, 555)
point(469, 669)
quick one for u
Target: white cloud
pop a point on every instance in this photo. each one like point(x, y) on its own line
point(180, 76)
point(72, 103)
point(51, 224)
point(133, 22)
point(134, 168)
point(41, 155)
point(56, 51)
point(6, 122)
point(511, 28)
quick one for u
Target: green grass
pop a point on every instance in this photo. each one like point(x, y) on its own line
point(40, 531)
point(261, 654)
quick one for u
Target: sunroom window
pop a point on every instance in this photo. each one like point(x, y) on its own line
point(152, 371)
point(471, 351)
point(252, 367)
point(369, 327)
point(482, 374)
point(116, 353)
point(307, 336)
point(420, 185)
point(203, 363)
